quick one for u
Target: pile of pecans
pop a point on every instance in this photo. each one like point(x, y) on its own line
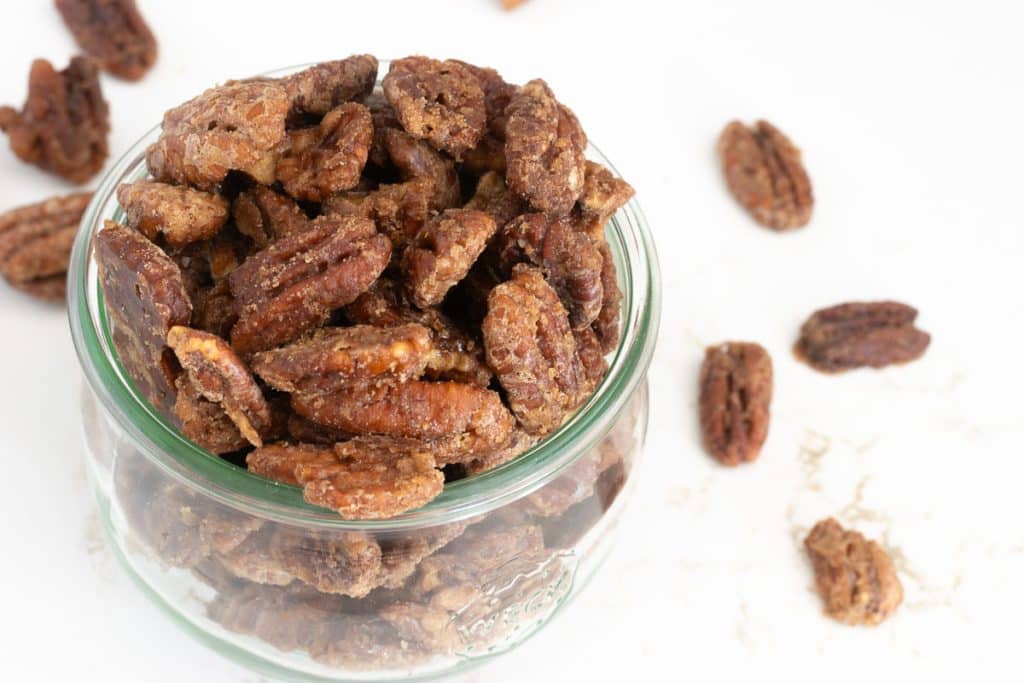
point(366, 292)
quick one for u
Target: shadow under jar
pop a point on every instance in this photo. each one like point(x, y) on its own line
point(246, 566)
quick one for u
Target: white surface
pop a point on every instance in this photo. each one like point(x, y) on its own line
point(910, 118)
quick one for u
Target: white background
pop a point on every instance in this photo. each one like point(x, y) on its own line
point(910, 116)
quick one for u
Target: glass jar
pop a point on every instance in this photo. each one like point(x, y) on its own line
point(247, 567)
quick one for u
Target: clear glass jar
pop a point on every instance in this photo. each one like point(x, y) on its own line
point(248, 568)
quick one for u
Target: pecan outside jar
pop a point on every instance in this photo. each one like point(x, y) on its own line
point(245, 566)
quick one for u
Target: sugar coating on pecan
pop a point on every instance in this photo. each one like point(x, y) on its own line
point(398, 211)
point(182, 214)
point(221, 376)
point(204, 421)
point(544, 147)
point(497, 95)
point(334, 357)
point(323, 87)
point(35, 244)
point(114, 33)
point(603, 194)
point(735, 401)
point(861, 334)
point(263, 215)
point(855, 577)
point(441, 102)
point(327, 158)
point(765, 173)
point(293, 285)
point(63, 126)
point(443, 252)
point(531, 349)
point(145, 297)
point(416, 159)
point(607, 325)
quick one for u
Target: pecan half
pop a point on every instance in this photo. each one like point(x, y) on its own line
point(603, 195)
point(855, 576)
point(443, 252)
point(145, 297)
point(114, 33)
point(399, 211)
point(335, 357)
point(441, 102)
point(364, 478)
point(35, 244)
point(329, 157)
point(544, 148)
point(182, 214)
point(293, 285)
point(416, 159)
point(263, 215)
point(855, 335)
point(530, 347)
point(323, 87)
point(764, 172)
point(220, 376)
point(63, 126)
point(607, 324)
point(735, 398)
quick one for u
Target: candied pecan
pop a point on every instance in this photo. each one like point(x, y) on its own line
point(603, 195)
point(35, 244)
point(487, 157)
point(263, 215)
point(306, 431)
point(857, 335)
point(182, 214)
point(335, 357)
point(384, 118)
point(544, 148)
point(114, 33)
point(399, 211)
point(323, 87)
point(855, 576)
point(429, 626)
point(592, 360)
point(518, 443)
point(479, 557)
point(63, 126)
point(236, 126)
point(497, 95)
point(293, 285)
point(368, 477)
point(345, 563)
point(607, 324)
point(443, 252)
point(570, 260)
point(253, 561)
point(416, 159)
point(402, 553)
point(145, 297)
point(457, 356)
point(573, 485)
point(470, 420)
point(441, 102)
point(735, 397)
point(764, 172)
point(223, 529)
point(205, 422)
point(220, 376)
point(530, 347)
point(327, 158)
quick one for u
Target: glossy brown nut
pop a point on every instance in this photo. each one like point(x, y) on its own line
point(183, 215)
point(263, 215)
point(205, 422)
point(735, 401)
point(114, 33)
point(323, 87)
point(855, 335)
point(415, 159)
point(608, 320)
point(399, 211)
point(603, 195)
point(443, 252)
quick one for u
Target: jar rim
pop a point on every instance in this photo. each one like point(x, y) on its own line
point(152, 435)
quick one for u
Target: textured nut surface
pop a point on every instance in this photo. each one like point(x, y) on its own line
point(735, 398)
point(399, 210)
point(443, 252)
point(63, 126)
point(205, 422)
point(35, 244)
point(544, 148)
point(113, 32)
point(145, 297)
point(494, 197)
point(183, 215)
point(416, 159)
point(855, 577)
point(221, 376)
point(608, 320)
point(764, 171)
point(854, 335)
point(329, 157)
point(603, 195)
point(441, 102)
point(334, 357)
point(263, 215)
point(323, 87)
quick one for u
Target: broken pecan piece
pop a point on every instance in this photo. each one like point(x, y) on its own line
point(327, 158)
point(399, 211)
point(603, 195)
point(764, 172)
point(855, 335)
point(113, 32)
point(735, 398)
point(145, 297)
point(220, 376)
point(293, 285)
point(855, 576)
point(63, 126)
point(367, 477)
point(544, 148)
point(205, 422)
point(322, 87)
point(182, 214)
point(35, 244)
point(263, 215)
point(416, 159)
point(494, 197)
point(531, 349)
point(443, 252)
point(441, 102)
point(336, 357)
